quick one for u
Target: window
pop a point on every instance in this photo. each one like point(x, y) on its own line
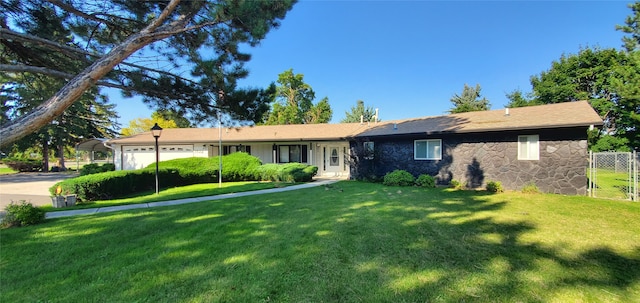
point(368, 150)
point(528, 147)
point(230, 149)
point(427, 149)
point(292, 153)
point(334, 159)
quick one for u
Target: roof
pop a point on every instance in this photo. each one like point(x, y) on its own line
point(568, 114)
point(559, 115)
point(95, 144)
point(265, 133)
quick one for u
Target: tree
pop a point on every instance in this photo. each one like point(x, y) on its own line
point(517, 99)
point(294, 102)
point(203, 36)
point(141, 125)
point(167, 114)
point(632, 27)
point(609, 79)
point(319, 113)
point(89, 117)
point(359, 112)
point(469, 101)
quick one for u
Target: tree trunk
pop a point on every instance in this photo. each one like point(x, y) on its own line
point(45, 154)
point(61, 166)
point(61, 100)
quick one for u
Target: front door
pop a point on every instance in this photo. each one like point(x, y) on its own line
point(333, 159)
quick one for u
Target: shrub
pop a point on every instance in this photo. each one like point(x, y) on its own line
point(531, 188)
point(494, 187)
point(398, 178)
point(116, 184)
point(180, 172)
point(235, 167)
point(269, 172)
point(24, 165)
point(239, 167)
point(290, 172)
point(22, 214)
point(455, 184)
point(425, 180)
point(95, 168)
point(191, 170)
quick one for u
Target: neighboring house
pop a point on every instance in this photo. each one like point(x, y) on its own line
point(543, 145)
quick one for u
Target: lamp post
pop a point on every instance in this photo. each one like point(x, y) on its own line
point(156, 130)
point(219, 150)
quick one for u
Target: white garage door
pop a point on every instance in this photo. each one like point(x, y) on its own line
point(136, 157)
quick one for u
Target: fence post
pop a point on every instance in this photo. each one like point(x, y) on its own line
point(591, 174)
point(635, 160)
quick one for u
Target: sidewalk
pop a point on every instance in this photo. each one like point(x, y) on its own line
point(90, 211)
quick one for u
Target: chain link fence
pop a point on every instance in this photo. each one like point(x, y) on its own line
point(613, 175)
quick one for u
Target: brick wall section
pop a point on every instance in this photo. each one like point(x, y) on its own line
point(475, 159)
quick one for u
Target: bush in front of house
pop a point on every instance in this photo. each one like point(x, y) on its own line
point(455, 184)
point(240, 166)
point(181, 172)
point(494, 187)
point(290, 172)
point(531, 188)
point(116, 184)
point(22, 214)
point(399, 177)
point(191, 170)
point(425, 180)
point(235, 167)
point(95, 168)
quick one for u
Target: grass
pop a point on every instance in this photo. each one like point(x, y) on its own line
point(349, 242)
point(6, 171)
point(612, 185)
point(176, 193)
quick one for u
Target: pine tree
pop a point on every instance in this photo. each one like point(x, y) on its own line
point(469, 101)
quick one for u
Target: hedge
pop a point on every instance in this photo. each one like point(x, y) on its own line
point(24, 165)
point(94, 168)
point(290, 172)
point(181, 172)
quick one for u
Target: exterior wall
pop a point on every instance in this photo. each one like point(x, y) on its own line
point(475, 159)
point(140, 156)
point(135, 157)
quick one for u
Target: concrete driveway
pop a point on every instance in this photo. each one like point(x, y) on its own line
point(31, 187)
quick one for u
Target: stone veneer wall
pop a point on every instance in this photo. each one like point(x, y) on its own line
point(476, 159)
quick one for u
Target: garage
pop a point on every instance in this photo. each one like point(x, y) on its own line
point(136, 157)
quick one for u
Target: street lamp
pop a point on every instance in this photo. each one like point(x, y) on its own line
point(156, 130)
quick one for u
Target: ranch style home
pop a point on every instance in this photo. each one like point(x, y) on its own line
point(543, 145)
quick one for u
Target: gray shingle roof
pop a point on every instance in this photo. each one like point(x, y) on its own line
point(567, 114)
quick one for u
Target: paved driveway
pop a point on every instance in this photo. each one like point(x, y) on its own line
point(31, 187)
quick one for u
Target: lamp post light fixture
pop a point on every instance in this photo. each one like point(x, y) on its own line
point(156, 131)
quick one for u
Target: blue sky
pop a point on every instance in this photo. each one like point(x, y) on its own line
point(408, 58)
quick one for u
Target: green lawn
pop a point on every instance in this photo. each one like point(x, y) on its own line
point(349, 242)
point(612, 185)
point(6, 170)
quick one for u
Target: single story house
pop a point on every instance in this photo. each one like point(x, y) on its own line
point(543, 145)
point(322, 145)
